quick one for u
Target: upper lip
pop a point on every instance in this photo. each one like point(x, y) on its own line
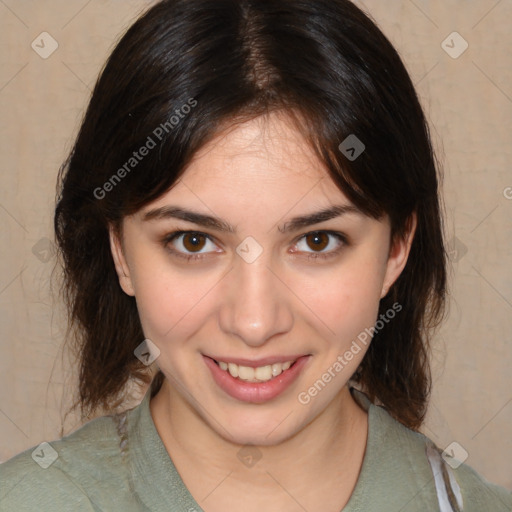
point(255, 363)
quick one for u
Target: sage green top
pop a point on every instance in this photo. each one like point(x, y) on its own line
point(119, 463)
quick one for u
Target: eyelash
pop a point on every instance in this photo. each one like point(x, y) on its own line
point(199, 256)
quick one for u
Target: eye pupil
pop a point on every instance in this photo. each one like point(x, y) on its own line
point(318, 240)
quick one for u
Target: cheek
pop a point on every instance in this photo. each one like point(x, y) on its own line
point(346, 300)
point(169, 301)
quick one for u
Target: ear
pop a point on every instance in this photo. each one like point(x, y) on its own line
point(123, 272)
point(398, 254)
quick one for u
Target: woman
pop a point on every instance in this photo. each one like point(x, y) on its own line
point(251, 205)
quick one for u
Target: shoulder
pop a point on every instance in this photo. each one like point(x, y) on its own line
point(479, 494)
point(417, 455)
point(475, 492)
point(72, 473)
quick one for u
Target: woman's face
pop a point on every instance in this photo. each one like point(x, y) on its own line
point(237, 266)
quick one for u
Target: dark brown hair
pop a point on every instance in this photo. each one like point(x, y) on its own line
point(322, 61)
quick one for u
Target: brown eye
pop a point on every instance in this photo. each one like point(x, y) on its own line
point(193, 242)
point(321, 245)
point(317, 241)
point(193, 246)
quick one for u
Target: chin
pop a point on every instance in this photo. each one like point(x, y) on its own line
point(255, 437)
point(255, 427)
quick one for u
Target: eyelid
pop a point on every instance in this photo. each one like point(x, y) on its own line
point(340, 236)
point(168, 239)
point(342, 239)
point(200, 255)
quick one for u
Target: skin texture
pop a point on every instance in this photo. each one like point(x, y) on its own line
point(256, 176)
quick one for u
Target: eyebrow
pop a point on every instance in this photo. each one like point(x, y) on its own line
point(201, 219)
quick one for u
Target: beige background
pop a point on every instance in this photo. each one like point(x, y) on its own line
point(467, 99)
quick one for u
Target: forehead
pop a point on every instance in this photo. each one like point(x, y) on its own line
point(263, 149)
point(261, 170)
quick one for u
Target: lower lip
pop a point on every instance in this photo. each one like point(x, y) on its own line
point(255, 392)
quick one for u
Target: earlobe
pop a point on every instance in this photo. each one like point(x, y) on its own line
point(398, 255)
point(122, 270)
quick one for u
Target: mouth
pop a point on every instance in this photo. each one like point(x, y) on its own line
point(256, 381)
point(255, 374)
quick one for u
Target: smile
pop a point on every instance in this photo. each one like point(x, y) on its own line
point(258, 374)
point(256, 381)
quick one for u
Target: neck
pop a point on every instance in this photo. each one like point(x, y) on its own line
point(329, 449)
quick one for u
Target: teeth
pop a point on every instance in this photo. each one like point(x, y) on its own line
point(260, 374)
point(276, 369)
point(245, 373)
point(233, 369)
point(263, 372)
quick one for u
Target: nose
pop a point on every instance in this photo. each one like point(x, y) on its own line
point(256, 303)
